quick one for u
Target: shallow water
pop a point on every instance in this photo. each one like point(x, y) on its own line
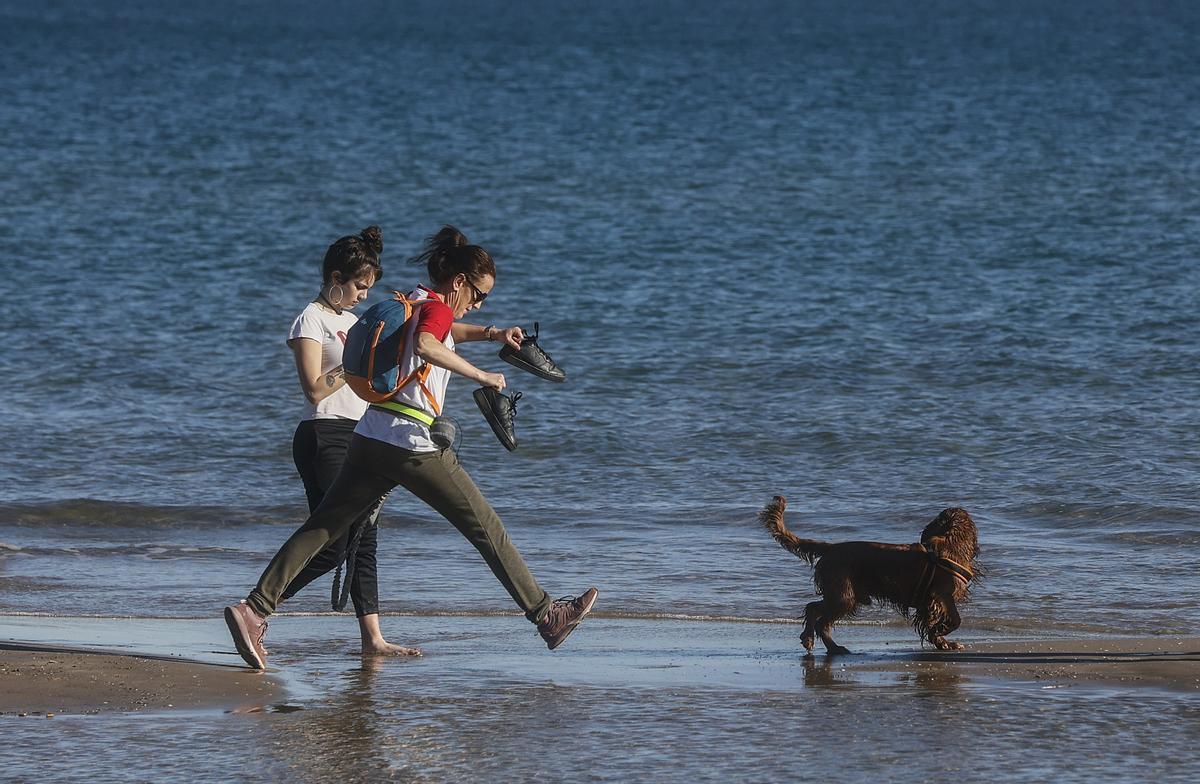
point(668, 700)
point(880, 260)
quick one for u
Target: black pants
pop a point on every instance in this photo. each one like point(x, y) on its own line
point(318, 449)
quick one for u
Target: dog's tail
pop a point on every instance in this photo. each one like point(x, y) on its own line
point(772, 519)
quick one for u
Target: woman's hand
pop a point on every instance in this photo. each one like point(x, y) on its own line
point(493, 380)
point(511, 336)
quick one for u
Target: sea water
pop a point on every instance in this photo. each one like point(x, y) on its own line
point(879, 259)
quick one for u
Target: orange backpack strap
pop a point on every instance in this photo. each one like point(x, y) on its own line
point(421, 374)
point(421, 378)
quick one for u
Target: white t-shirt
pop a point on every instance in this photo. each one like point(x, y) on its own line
point(328, 329)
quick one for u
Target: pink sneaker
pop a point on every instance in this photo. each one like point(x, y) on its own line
point(248, 629)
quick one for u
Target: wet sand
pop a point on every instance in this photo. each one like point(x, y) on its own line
point(41, 680)
point(81, 676)
point(706, 700)
point(1157, 662)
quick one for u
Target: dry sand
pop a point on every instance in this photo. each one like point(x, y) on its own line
point(43, 680)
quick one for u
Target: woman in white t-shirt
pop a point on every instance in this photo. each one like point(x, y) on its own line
point(331, 412)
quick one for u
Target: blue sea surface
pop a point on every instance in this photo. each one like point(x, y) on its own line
point(878, 258)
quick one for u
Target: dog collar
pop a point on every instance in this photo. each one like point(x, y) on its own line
point(932, 564)
point(958, 570)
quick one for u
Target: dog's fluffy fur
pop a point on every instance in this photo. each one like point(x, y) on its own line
point(851, 574)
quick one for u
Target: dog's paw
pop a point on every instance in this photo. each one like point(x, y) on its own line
point(942, 644)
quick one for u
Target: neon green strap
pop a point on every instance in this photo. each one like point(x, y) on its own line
point(405, 411)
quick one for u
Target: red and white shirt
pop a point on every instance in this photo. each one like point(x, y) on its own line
point(436, 318)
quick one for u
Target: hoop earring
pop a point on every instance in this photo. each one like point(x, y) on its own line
point(341, 294)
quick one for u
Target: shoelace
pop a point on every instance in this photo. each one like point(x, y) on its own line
point(508, 413)
point(262, 632)
point(532, 340)
point(558, 607)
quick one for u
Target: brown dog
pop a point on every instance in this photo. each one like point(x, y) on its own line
point(928, 579)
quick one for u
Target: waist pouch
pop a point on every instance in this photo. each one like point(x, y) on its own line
point(443, 431)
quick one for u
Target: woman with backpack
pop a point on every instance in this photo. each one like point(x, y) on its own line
point(392, 446)
point(331, 411)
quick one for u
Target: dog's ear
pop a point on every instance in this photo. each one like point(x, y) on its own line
point(937, 527)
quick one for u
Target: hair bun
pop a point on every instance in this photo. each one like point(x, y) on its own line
point(448, 253)
point(448, 237)
point(373, 237)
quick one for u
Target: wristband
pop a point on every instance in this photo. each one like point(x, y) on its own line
point(489, 331)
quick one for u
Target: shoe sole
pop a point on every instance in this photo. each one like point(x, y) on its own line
point(241, 640)
point(485, 408)
point(571, 628)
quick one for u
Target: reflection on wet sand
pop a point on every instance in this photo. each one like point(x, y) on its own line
point(348, 733)
point(826, 671)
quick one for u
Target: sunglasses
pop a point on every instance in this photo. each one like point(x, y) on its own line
point(480, 296)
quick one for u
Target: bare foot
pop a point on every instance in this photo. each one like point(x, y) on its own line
point(373, 643)
point(385, 648)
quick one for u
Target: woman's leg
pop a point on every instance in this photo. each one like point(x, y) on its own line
point(364, 585)
point(356, 489)
point(439, 480)
point(319, 459)
point(366, 599)
point(305, 452)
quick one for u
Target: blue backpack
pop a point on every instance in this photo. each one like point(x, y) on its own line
point(375, 346)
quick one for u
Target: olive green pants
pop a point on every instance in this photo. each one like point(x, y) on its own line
point(370, 470)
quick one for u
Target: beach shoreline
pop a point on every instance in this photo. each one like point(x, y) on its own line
point(38, 680)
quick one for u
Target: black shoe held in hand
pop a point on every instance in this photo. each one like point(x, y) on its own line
point(533, 359)
point(499, 409)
